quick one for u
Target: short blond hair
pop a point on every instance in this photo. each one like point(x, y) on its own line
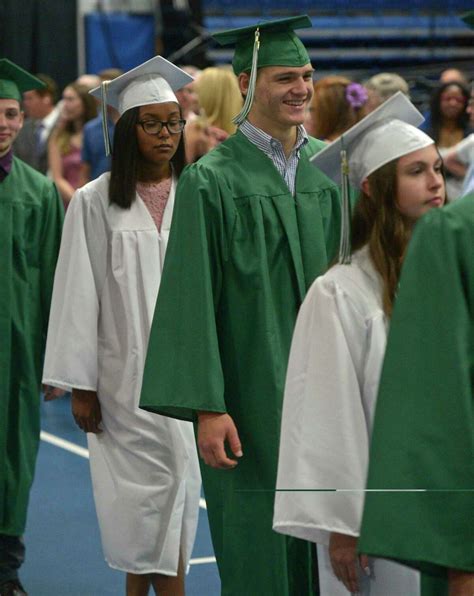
point(387, 84)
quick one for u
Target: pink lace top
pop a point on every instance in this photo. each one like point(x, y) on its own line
point(155, 196)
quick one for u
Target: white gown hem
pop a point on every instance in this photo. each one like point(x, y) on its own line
point(66, 385)
point(141, 571)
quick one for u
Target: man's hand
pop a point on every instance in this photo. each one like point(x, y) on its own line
point(213, 431)
point(461, 583)
point(344, 560)
point(51, 393)
point(85, 408)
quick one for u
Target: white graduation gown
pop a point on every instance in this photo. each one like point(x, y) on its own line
point(144, 467)
point(331, 388)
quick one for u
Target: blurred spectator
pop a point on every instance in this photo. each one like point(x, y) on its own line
point(41, 113)
point(201, 137)
point(336, 106)
point(109, 74)
point(460, 159)
point(219, 97)
point(187, 96)
point(451, 75)
point(449, 121)
point(94, 160)
point(65, 144)
point(448, 125)
point(382, 86)
point(89, 80)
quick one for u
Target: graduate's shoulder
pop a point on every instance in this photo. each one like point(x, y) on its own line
point(224, 170)
point(356, 284)
point(315, 145)
point(455, 221)
point(29, 177)
point(462, 209)
point(93, 194)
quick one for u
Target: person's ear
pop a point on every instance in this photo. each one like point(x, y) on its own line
point(365, 186)
point(244, 79)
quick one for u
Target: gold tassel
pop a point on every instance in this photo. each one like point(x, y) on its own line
point(345, 241)
point(105, 124)
point(252, 81)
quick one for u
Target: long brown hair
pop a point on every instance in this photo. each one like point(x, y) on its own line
point(331, 111)
point(378, 223)
point(63, 133)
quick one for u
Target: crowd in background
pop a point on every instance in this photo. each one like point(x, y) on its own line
point(64, 138)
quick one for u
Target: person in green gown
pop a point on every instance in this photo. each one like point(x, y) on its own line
point(31, 217)
point(420, 504)
point(254, 224)
point(423, 426)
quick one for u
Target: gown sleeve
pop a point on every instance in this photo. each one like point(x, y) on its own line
point(325, 426)
point(72, 344)
point(423, 427)
point(184, 331)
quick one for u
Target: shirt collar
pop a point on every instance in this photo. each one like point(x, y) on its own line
point(269, 142)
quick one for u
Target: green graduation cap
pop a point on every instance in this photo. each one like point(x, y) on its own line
point(468, 18)
point(14, 80)
point(268, 43)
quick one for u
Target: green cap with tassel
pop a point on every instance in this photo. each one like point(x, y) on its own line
point(14, 81)
point(270, 43)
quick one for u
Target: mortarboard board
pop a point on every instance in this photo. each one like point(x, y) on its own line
point(268, 43)
point(14, 80)
point(154, 81)
point(383, 135)
point(387, 133)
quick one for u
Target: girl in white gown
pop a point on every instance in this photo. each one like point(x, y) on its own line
point(338, 348)
point(144, 467)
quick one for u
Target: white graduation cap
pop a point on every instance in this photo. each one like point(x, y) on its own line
point(154, 81)
point(385, 134)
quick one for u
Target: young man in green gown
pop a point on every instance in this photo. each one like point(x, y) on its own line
point(254, 224)
point(31, 216)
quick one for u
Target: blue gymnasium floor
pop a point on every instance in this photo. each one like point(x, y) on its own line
point(63, 550)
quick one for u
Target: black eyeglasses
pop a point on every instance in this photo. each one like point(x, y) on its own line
point(154, 127)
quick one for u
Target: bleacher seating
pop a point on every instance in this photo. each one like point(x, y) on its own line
point(367, 35)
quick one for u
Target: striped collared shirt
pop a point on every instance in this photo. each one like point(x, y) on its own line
point(274, 150)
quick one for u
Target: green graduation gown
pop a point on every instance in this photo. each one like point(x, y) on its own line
point(242, 253)
point(31, 216)
point(423, 427)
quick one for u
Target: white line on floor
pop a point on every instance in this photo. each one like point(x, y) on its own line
point(202, 561)
point(83, 452)
point(63, 444)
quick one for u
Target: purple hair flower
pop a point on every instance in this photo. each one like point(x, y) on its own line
point(356, 95)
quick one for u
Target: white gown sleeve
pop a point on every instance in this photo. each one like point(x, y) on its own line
point(71, 358)
point(324, 434)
